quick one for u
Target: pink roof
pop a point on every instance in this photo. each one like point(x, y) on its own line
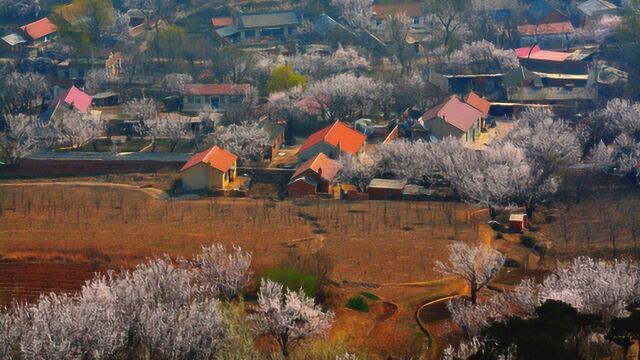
point(539, 54)
point(546, 29)
point(321, 165)
point(338, 133)
point(454, 112)
point(217, 89)
point(76, 98)
point(215, 157)
point(40, 28)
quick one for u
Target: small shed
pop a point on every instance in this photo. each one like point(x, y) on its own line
point(381, 189)
point(518, 222)
point(104, 99)
point(302, 186)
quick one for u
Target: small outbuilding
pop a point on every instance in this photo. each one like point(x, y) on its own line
point(382, 189)
point(518, 222)
point(212, 169)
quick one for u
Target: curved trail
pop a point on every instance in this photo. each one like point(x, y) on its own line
point(153, 192)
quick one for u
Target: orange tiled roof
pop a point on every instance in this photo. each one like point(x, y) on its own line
point(349, 140)
point(221, 21)
point(40, 28)
point(478, 102)
point(546, 29)
point(321, 165)
point(216, 157)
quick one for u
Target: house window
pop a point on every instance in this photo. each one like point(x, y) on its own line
point(81, 73)
point(416, 20)
point(198, 100)
point(250, 34)
point(378, 22)
point(292, 30)
point(67, 74)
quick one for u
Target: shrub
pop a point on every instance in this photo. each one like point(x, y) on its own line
point(293, 280)
point(358, 303)
point(528, 240)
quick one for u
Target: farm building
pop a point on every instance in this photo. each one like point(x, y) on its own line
point(593, 10)
point(332, 141)
point(518, 222)
point(214, 97)
point(381, 12)
point(381, 189)
point(73, 99)
point(40, 31)
point(553, 35)
point(258, 28)
point(211, 169)
point(314, 176)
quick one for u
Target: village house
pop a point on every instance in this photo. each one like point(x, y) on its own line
point(592, 10)
point(548, 35)
point(382, 12)
point(39, 32)
point(258, 28)
point(453, 118)
point(72, 71)
point(67, 101)
point(313, 177)
point(547, 61)
point(212, 169)
point(333, 140)
point(214, 97)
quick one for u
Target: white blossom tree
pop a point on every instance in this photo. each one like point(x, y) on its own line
point(170, 126)
point(346, 96)
point(473, 318)
point(248, 141)
point(220, 272)
point(117, 32)
point(483, 56)
point(141, 110)
point(21, 92)
point(356, 170)
point(343, 60)
point(21, 7)
point(288, 316)
point(79, 129)
point(475, 264)
point(96, 80)
point(598, 32)
point(20, 137)
point(177, 82)
point(356, 13)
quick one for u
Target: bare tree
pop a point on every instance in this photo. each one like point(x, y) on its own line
point(177, 82)
point(20, 137)
point(397, 31)
point(96, 80)
point(475, 264)
point(288, 316)
point(449, 19)
point(248, 141)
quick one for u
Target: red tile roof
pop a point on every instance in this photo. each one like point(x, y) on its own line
point(409, 9)
point(217, 89)
point(478, 102)
point(39, 29)
point(321, 165)
point(454, 112)
point(221, 21)
point(216, 157)
point(337, 134)
point(539, 54)
point(76, 98)
point(546, 29)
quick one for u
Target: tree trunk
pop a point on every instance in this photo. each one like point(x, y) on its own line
point(474, 292)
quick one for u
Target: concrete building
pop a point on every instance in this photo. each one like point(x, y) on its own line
point(212, 169)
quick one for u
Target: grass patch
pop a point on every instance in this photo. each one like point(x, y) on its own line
point(358, 303)
point(293, 280)
point(370, 296)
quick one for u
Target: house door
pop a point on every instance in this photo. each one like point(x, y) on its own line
point(215, 102)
